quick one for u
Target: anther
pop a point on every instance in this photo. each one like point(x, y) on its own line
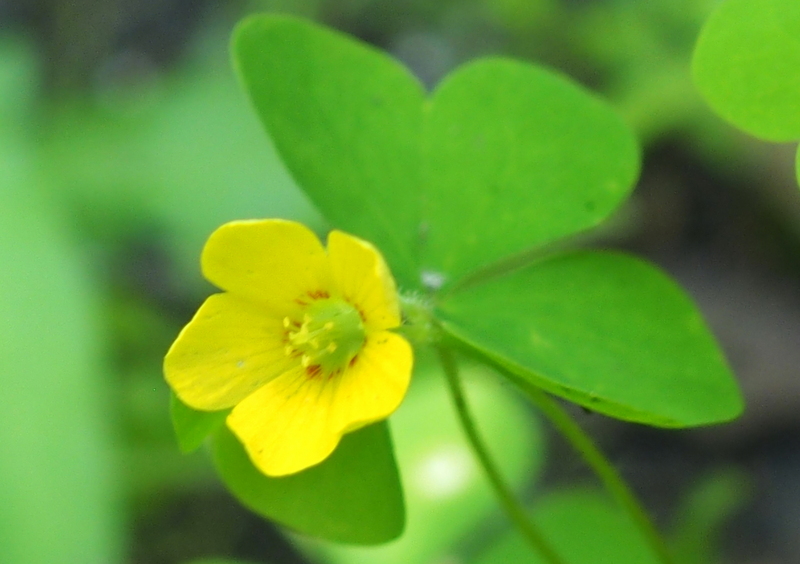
point(329, 325)
point(286, 322)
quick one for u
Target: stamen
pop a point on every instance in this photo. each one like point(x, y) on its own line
point(331, 334)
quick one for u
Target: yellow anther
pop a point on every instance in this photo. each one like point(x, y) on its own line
point(305, 361)
point(329, 325)
point(314, 343)
point(287, 322)
point(288, 350)
point(331, 347)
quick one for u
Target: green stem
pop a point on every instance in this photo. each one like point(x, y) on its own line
point(515, 512)
point(605, 471)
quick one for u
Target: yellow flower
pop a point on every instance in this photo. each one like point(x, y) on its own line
point(298, 344)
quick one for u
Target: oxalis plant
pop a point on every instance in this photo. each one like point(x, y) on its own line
point(452, 213)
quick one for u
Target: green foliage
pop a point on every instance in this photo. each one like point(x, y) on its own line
point(513, 157)
point(174, 162)
point(441, 184)
point(445, 490)
point(604, 330)
point(501, 160)
point(347, 120)
point(584, 527)
point(747, 65)
point(192, 426)
point(58, 492)
point(217, 561)
point(354, 496)
point(701, 515)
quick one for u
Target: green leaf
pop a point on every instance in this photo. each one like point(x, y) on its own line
point(516, 156)
point(583, 527)
point(447, 494)
point(58, 483)
point(446, 181)
point(19, 80)
point(604, 330)
point(747, 65)
point(192, 426)
point(710, 503)
point(354, 496)
point(797, 164)
point(218, 561)
point(346, 119)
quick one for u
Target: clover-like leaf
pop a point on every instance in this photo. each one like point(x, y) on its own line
point(747, 65)
point(603, 330)
point(516, 156)
point(503, 157)
point(354, 496)
point(346, 119)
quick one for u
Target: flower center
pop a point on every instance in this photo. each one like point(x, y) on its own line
point(329, 337)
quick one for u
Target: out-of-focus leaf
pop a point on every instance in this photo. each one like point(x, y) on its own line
point(192, 426)
point(747, 65)
point(604, 330)
point(354, 496)
point(583, 527)
point(346, 119)
point(701, 514)
point(18, 78)
point(447, 494)
point(515, 157)
point(218, 561)
point(797, 164)
point(57, 486)
point(177, 166)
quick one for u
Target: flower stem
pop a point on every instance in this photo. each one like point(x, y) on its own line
point(512, 507)
point(604, 470)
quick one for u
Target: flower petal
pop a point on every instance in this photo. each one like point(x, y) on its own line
point(296, 421)
point(273, 261)
point(373, 386)
point(229, 349)
point(284, 425)
point(364, 279)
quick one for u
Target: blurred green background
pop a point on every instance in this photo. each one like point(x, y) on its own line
point(125, 140)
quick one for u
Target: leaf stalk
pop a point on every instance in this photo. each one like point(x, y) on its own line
point(513, 509)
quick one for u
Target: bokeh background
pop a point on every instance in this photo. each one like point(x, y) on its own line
point(125, 140)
